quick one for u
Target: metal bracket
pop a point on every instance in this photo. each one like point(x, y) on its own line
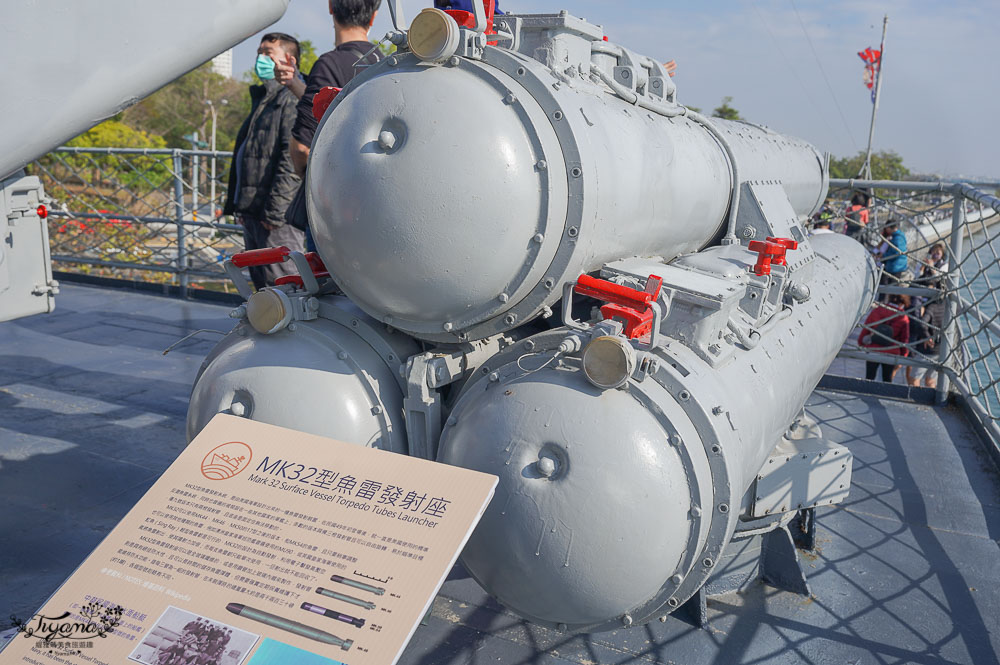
point(780, 566)
point(422, 407)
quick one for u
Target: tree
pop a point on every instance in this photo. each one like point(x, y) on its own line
point(886, 165)
point(725, 111)
point(307, 56)
point(180, 108)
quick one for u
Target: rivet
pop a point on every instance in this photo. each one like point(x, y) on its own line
point(696, 511)
point(376, 410)
point(549, 283)
point(529, 344)
point(503, 297)
point(292, 327)
point(684, 395)
point(238, 408)
point(354, 323)
point(452, 421)
point(494, 377)
point(510, 319)
point(627, 620)
point(717, 410)
point(576, 172)
point(723, 507)
point(448, 325)
point(453, 61)
point(342, 355)
point(561, 626)
point(663, 618)
point(675, 440)
point(538, 237)
point(707, 562)
point(558, 115)
point(572, 231)
point(673, 602)
point(541, 165)
point(676, 578)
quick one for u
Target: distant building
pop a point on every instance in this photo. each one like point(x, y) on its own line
point(223, 64)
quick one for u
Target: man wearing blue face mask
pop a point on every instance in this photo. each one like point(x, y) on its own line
point(262, 178)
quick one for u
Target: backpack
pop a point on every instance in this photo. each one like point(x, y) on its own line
point(881, 335)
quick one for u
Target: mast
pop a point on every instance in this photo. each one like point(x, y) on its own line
point(866, 168)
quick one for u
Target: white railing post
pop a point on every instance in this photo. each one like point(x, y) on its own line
point(949, 326)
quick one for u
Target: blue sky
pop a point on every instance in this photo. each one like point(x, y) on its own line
point(792, 65)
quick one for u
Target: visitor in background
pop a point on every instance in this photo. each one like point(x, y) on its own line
point(886, 330)
point(262, 178)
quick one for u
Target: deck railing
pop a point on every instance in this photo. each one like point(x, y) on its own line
point(151, 215)
point(954, 296)
point(155, 215)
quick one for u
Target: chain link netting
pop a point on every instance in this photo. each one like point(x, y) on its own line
point(937, 309)
point(140, 214)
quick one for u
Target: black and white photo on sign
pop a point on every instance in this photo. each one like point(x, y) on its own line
point(180, 637)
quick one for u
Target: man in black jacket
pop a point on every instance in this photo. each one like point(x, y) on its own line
point(352, 19)
point(262, 178)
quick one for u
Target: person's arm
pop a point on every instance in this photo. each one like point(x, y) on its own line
point(287, 74)
point(286, 181)
point(299, 156)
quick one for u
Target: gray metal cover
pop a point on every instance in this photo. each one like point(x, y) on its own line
point(71, 65)
point(802, 474)
point(26, 284)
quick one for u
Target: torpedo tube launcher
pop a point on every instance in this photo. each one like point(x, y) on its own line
point(468, 185)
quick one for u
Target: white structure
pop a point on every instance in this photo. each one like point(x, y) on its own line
point(223, 64)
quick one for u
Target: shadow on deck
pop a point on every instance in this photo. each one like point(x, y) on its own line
point(906, 569)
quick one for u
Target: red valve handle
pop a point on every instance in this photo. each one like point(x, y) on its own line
point(468, 19)
point(607, 291)
point(261, 257)
point(787, 243)
point(315, 263)
point(323, 99)
point(42, 211)
point(630, 305)
point(767, 253)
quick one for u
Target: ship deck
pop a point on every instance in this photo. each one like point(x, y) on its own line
point(906, 570)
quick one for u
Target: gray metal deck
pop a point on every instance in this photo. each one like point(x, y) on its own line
point(907, 570)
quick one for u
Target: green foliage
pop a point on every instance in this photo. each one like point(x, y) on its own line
point(387, 48)
point(725, 111)
point(181, 107)
point(886, 165)
point(307, 56)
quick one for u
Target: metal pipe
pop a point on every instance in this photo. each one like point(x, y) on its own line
point(181, 231)
point(949, 325)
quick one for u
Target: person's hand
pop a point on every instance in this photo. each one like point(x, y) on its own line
point(285, 71)
point(671, 67)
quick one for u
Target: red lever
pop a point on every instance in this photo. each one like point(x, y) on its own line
point(634, 307)
point(261, 257)
point(787, 243)
point(315, 263)
point(468, 19)
point(767, 253)
point(323, 99)
point(42, 211)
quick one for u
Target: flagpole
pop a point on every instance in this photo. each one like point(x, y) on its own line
point(866, 168)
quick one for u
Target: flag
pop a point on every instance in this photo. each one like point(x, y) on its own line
point(873, 63)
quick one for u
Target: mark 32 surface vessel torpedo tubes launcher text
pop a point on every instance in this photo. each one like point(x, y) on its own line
point(648, 433)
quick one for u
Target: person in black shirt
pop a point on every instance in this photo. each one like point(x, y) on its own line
point(352, 19)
